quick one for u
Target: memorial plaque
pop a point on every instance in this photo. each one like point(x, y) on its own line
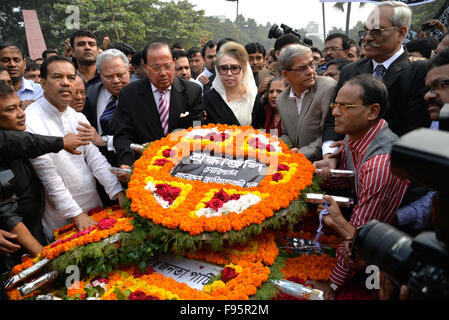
point(239, 172)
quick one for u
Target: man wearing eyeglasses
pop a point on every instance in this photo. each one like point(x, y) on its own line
point(304, 104)
point(358, 110)
point(151, 108)
point(385, 29)
point(336, 46)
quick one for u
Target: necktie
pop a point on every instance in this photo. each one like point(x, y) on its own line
point(108, 112)
point(163, 108)
point(380, 71)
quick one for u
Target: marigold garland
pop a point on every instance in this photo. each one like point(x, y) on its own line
point(279, 193)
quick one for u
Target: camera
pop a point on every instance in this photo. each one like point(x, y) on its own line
point(422, 262)
point(275, 32)
point(6, 188)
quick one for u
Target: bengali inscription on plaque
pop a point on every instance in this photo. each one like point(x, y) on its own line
point(196, 274)
point(239, 172)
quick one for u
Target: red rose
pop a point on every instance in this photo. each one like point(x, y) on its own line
point(214, 204)
point(227, 274)
point(270, 148)
point(221, 195)
point(166, 153)
point(234, 197)
point(277, 176)
point(160, 162)
point(283, 167)
point(256, 143)
point(106, 223)
point(167, 192)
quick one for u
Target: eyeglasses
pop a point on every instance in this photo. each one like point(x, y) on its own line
point(375, 32)
point(331, 49)
point(439, 85)
point(119, 75)
point(344, 107)
point(235, 69)
point(311, 66)
point(157, 69)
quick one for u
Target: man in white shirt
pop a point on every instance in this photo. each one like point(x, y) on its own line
point(69, 180)
point(12, 59)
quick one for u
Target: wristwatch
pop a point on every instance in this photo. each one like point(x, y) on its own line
point(333, 286)
point(105, 139)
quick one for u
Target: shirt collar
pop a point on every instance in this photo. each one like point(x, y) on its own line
point(154, 89)
point(293, 95)
point(387, 63)
point(360, 145)
point(26, 85)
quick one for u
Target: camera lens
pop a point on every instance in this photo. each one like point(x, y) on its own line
point(381, 244)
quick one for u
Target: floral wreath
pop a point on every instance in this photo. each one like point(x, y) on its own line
point(196, 207)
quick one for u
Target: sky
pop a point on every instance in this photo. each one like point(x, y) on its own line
point(294, 13)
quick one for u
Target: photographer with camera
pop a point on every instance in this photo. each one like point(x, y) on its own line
point(20, 218)
point(358, 110)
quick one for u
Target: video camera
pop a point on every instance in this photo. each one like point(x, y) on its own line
point(6, 188)
point(422, 262)
point(275, 32)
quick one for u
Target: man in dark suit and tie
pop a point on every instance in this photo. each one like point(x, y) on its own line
point(150, 108)
point(384, 31)
point(102, 100)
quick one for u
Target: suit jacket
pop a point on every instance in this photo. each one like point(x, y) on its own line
point(304, 131)
point(137, 119)
point(405, 83)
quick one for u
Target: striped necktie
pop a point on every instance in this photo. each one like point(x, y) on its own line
point(380, 71)
point(108, 112)
point(163, 108)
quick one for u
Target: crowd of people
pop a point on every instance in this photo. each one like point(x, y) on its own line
point(66, 119)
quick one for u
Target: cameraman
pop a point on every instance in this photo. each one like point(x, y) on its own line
point(20, 218)
point(358, 110)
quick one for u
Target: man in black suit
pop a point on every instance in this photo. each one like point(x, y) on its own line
point(150, 108)
point(385, 29)
point(102, 99)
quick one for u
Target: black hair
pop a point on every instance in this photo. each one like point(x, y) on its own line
point(123, 47)
point(5, 44)
point(31, 66)
point(255, 47)
point(178, 45)
point(423, 46)
point(339, 62)
point(193, 52)
point(47, 51)
point(209, 44)
point(284, 40)
point(179, 54)
point(81, 33)
point(345, 44)
point(315, 49)
point(6, 89)
point(153, 46)
point(47, 62)
point(136, 58)
point(440, 59)
point(374, 91)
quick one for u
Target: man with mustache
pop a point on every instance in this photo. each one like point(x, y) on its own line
point(84, 49)
point(150, 108)
point(304, 104)
point(12, 59)
point(415, 216)
point(69, 180)
point(384, 31)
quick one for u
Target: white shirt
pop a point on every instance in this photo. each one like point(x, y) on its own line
point(297, 100)
point(103, 99)
point(387, 63)
point(69, 179)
